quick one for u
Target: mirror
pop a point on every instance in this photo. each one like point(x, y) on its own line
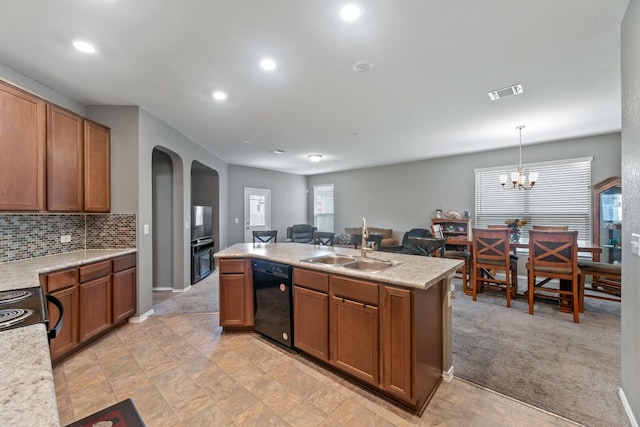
point(607, 219)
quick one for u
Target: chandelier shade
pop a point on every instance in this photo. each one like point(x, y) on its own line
point(519, 179)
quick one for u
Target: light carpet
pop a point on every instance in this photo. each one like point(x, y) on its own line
point(545, 360)
point(200, 298)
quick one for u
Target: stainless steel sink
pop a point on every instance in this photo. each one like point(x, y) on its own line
point(368, 264)
point(331, 259)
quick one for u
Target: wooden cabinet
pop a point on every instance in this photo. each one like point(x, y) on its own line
point(397, 341)
point(51, 158)
point(64, 286)
point(94, 299)
point(353, 331)
point(236, 294)
point(454, 227)
point(64, 160)
point(97, 178)
point(123, 287)
point(311, 312)
point(22, 148)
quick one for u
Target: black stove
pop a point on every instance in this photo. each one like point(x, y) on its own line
point(28, 306)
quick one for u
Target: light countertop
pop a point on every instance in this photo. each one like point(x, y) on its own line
point(27, 390)
point(413, 271)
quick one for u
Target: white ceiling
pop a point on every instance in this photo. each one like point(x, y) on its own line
point(425, 97)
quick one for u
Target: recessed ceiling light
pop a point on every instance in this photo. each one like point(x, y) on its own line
point(219, 95)
point(350, 12)
point(315, 157)
point(277, 151)
point(268, 64)
point(362, 65)
point(84, 47)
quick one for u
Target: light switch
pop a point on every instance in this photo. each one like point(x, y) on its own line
point(145, 229)
point(635, 243)
point(236, 220)
point(186, 225)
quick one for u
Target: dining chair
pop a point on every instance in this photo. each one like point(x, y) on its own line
point(550, 227)
point(323, 238)
point(374, 239)
point(463, 272)
point(554, 255)
point(606, 279)
point(514, 260)
point(490, 251)
point(265, 236)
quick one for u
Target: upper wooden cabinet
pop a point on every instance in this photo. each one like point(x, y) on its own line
point(22, 144)
point(64, 160)
point(97, 177)
point(52, 159)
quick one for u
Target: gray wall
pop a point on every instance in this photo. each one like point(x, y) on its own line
point(404, 196)
point(288, 199)
point(631, 205)
point(162, 189)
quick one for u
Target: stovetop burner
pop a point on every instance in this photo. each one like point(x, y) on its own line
point(8, 297)
point(12, 316)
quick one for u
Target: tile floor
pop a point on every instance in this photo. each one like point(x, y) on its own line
point(181, 371)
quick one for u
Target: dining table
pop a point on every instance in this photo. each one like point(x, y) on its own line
point(585, 247)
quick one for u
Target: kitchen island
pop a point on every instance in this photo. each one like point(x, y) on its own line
point(389, 330)
point(27, 390)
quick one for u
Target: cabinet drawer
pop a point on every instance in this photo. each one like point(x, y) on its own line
point(95, 271)
point(61, 279)
point(311, 279)
point(231, 265)
point(124, 262)
point(354, 289)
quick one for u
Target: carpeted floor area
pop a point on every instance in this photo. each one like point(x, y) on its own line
point(545, 360)
point(200, 298)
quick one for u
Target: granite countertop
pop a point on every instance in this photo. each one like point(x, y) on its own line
point(414, 271)
point(27, 390)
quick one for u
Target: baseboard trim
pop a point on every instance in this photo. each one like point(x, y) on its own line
point(447, 376)
point(165, 289)
point(182, 290)
point(140, 319)
point(627, 408)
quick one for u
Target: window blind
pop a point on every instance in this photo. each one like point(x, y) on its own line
point(323, 207)
point(561, 196)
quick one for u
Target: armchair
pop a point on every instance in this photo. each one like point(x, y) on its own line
point(300, 233)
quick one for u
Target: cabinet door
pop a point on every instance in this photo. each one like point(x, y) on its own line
point(232, 300)
point(22, 148)
point(124, 294)
point(97, 178)
point(396, 345)
point(64, 160)
point(311, 322)
point(67, 339)
point(354, 339)
point(95, 307)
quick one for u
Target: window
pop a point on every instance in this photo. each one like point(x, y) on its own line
point(561, 196)
point(323, 207)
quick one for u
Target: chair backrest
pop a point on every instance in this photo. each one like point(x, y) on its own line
point(556, 252)
point(428, 246)
point(301, 233)
point(497, 226)
point(491, 246)
point(550, 227)
point(265, 236)
point(323, 238)
point(375, 239)
point(410, 248)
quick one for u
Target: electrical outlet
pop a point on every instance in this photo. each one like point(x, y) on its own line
point(65, 238)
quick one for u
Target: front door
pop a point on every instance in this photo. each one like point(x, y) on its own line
point(257, 211)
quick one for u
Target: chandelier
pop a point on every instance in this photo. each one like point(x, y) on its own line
point(519, 178)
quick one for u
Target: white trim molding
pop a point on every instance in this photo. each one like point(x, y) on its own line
point(447, 376)
point(140, 319)
point(627, 408)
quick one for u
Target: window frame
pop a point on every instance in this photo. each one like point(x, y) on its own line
point(327, 203)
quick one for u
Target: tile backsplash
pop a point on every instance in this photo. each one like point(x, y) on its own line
point(34, 235)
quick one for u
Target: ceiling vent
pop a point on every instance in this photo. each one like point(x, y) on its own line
point(505, 92)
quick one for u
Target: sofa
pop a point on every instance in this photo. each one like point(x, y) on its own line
point(345, 239)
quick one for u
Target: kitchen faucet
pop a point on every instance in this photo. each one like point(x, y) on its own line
point(365, 235)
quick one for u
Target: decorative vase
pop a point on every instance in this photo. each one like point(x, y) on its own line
point(515, 237)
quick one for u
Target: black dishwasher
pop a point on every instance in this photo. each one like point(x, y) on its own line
point(273, 299)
